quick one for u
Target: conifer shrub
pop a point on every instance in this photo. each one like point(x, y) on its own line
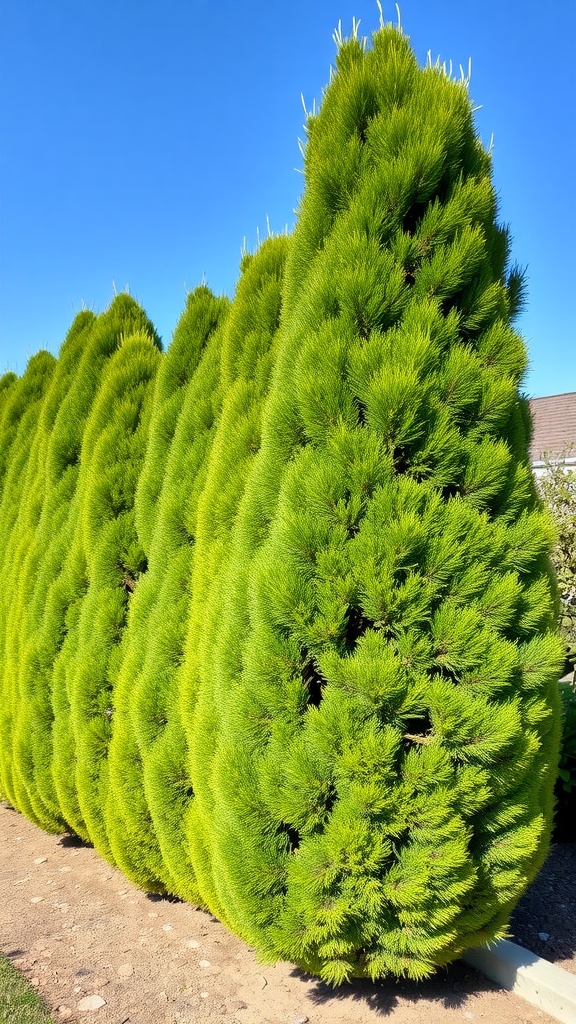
point(184, 407)
point(59, 632)
point(43, 515)
point(248, 352)
point(385, 700)
point(19, 423)
point(113, 449)
point(558, 490)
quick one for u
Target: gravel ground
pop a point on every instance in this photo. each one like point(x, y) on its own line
point(545, 919)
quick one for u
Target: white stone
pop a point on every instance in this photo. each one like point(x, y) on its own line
point(40, 860)
point(36, 899)
point(91, 1003)
point(204, 963)
point(125, 971)
point(543, 936)
point(193, 944)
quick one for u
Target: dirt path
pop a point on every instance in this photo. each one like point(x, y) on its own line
point(77, 928)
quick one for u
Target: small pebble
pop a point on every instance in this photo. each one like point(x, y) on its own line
point(192, 944)
point(40, 860)
point(543, 936)
point(203, 995)
point(167, 928)
point(125, 971)
point(301, 1019)
point(36, 899)
point(204, 963)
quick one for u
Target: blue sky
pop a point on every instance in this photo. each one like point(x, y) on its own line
point(142, 140)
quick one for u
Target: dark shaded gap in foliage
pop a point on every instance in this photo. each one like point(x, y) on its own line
point(356, 626)
point(292, 835)
point(417, 730)
point(312, 679)
point(361, 411)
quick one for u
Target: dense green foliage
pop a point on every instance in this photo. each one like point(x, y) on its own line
point(147, 767)
point(19, 425)
point(383, 682)
point(277, 625)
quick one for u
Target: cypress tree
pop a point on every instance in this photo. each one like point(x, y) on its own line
point(223, 455)
point(113, 450)
point(43, 514)
point(249, 350)
point(59, 633)
point(19, 424)
point(384, 677)
point(162, 496)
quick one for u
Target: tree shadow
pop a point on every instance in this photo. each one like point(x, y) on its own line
point(451, 986)
point(71, 839)
point(163, 897)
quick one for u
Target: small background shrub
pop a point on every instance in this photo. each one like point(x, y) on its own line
point(558, 489)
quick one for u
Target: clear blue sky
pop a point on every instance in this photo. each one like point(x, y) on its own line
point(142, 140)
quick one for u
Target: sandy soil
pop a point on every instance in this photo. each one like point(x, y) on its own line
point(77, 928)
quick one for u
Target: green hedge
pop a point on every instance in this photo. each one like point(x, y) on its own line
point(278, 618)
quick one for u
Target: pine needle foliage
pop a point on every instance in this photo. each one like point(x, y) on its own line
point(385, 713)
point(19, 424)
point(106, 546)
point(185, 404)
point(71, 581)
point(113, 449)
point(248, 353)
point(35, 624)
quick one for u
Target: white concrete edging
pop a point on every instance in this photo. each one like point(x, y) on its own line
point(541, 983)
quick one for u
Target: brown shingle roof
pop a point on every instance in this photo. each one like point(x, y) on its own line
point(554, 424)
